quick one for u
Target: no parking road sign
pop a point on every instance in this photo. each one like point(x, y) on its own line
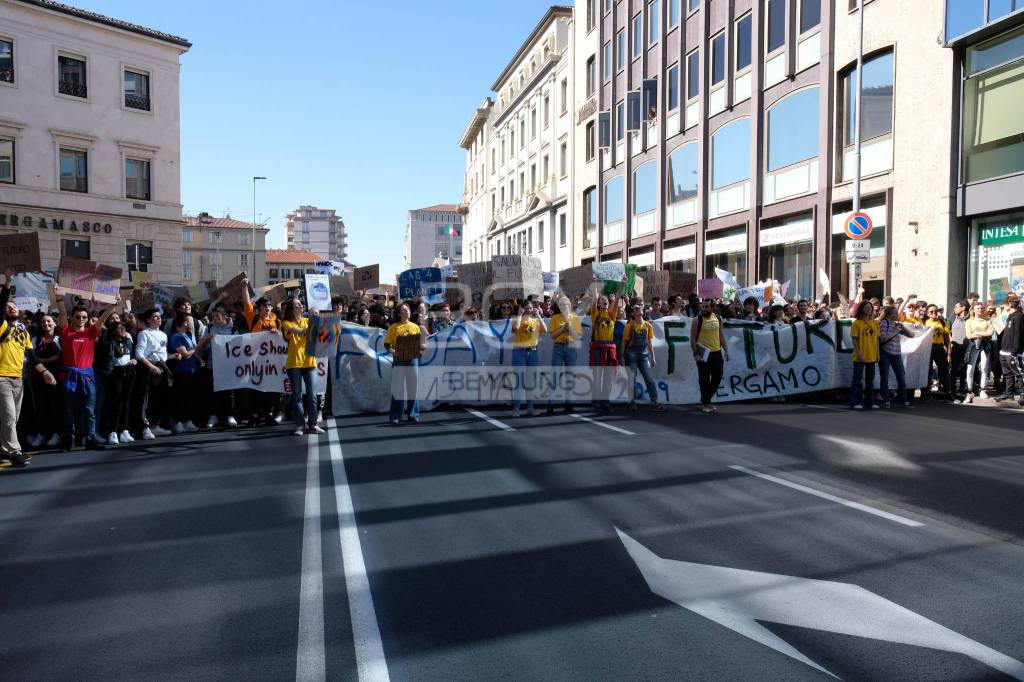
point(858, 225)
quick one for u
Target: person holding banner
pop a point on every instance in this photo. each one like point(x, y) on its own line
point(602, 348)
point(707, 340)
point(184, 364)
point(261, 319)
point(566, 330)
point(638, 353)
point(940, 349)
point(301, 368)
point(864, 333)
point(526, 330)
point(406, 341)
point(890, 329)
point(221, 409)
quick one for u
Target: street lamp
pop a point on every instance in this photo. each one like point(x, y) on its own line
point(254, 179)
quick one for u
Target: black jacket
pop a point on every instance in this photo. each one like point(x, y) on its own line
point(1012, 338)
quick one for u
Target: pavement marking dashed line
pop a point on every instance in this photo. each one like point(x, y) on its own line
point(610, 427)
point(371, 665)
point(310, 656)
point(832, 498)
point(491, 420)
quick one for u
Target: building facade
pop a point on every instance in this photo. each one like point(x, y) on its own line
point(318, 230)
point(90, 137)
point(526, 141)
point(217, 249)
point(286, 264)
point(434, 235)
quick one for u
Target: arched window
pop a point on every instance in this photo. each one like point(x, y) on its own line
point(645, 188)
point(730, 154)
point(793, 129)
point(682, 174)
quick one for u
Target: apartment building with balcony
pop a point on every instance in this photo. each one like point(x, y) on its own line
point(217, 249)
point(318, 230)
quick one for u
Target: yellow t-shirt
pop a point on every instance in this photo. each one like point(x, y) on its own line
point(574, 323)
point(633, 328)
point(977, 325)
point(401, 329)
point(709, 337)
point(939, 331)
point(297, 345)
point(603, 322)
point(12, 351)
point(527, 335)
point(907, 319)
point(865, 339)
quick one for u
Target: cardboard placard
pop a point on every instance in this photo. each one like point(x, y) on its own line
point(656, 284)
point(232, 291)
point(198, 293)
point(576, 281)
point(550, 282)
point(20, 252)
point(329, 267)
point(318, 291)
point(342, 285)
point(367, 277)
point(475, 277)
point(139, 278)
point(517, 276)
point(275, 293)
point(609, 272)
point(425, 283)
point(32, 285)
point(710, 288)
point(106, 283)
point(453, 293)
point(76, 276)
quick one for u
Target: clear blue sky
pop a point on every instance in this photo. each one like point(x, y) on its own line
point(355, 106)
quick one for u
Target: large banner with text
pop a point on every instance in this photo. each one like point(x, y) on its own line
point(473, 363)
point(256, 362)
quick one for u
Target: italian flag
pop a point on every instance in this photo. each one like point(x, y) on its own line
point(451, 230)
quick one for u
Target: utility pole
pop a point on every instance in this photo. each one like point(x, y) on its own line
point(252, 265)
point(856, 134)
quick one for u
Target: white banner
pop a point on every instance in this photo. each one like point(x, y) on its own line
point(256, 361)
point(472, 362)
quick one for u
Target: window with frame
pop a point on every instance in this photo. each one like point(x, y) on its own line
point(653, 27)
point(522, 133)
point(540, 235)
point(561, 230)
point(522, 182)
point(244, 239)
point(547, 110)
point(272, 273)
point(673, 13)
point(533, 124)
point(682, 174)
point(614, 208)
point(590, 218)
point(136, 90)
point(606, 62)
point(730, 154)
point(793, 129)
point(136, 178)
point(645, 188)
point(186, 257)
point(71, 76)
point(591, 75)
point(545, 170)
point(286, 273)
point(6, 160)
point(810, 15)
point(563, 159)
point(620, 50)
point(620, 121)
point(216, 238)
point(694, 5)
point(186, 236)
point(717, 59)
point(139, 256)
point(243, 260)
point(744, 41)
point(186, 273)
point(692, 75)
point(75, 248)
point(993, 144)
point(876, 97)
point(533, 176)
point(591, 15)
point(6, 60)
point(638, 35)
point(776, 25)
point(74, 170)
point(565, 94)
point(672, 87)
point(591, 141)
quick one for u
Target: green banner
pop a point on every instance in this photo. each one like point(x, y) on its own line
point(994, 235)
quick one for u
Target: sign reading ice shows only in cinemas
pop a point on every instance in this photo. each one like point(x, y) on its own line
point(12, 220)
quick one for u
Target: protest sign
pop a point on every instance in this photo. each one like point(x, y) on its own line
point(342, 285)
point(232, 291)
point(656, 284)
point(199, 293)
point(710, 288)
point(32, 285)
point(469, 363)
point(139, 278)
point(164, 294)
point(425, 283)
point(624, 286)
point(475, 277)
point(576, 281)
point(609, 272)
point(550, 282)
point(142, 299)
point(20, 252)
point(275, 293)
point(29, 303)
point(517, 276)
point(255, 361)
point(329, 267)
point(318, 291)
point(76, 276)
point(447, 271)
point(367, 277)
point(763, 292)
point(106, 283)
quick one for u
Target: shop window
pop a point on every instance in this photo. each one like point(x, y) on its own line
point(993, 126)
point(793, 129)
point(730, 154)
point(787, 254)
point(998, 268)
point(680, 255)
point(726, 250)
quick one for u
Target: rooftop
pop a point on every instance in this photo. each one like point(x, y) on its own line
point(108, 21)
point(207, 221)
point(553, 13)
point(291, 257)
point(440, 208)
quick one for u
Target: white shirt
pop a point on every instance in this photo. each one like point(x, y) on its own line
point(151, 345)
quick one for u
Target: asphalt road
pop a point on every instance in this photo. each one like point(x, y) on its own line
point(768, 541)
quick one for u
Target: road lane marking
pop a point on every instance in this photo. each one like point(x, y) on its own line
point(370, 662)
point(310, 659)
point(832, 498)
point(490, 419)
point(740, 600)
point(610, 427)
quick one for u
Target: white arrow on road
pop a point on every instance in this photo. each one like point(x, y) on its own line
point(738, 599)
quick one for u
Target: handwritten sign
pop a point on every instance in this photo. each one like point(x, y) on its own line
point(20, 252)
point(367, 277)
point(710, 288)
point(232, 291)
point(76, 276)
point(516, 276)
point(476, 277)
point(256, 361)
point(318, 291)
point(329, 267)
point(550, 281)
point(106, 283)
point(425, 283)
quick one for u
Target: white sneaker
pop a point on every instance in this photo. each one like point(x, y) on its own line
point(211, 422)
point(190, 427)
point(279, 417)
point(113, 439)
point(231, 422)
point(35, 441)
point(161, 431)
point(299, 431)
point(126, 437)
point(178, 428)
point(54, 441)
point(983, 395)
point(147, 434)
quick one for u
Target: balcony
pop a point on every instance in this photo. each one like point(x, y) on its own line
point(73, 89)
point(136, 102)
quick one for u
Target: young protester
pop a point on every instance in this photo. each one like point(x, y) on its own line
point(152, 379)
point(49, 404)
point(119, 370)
point(676, 303)
point(638, 351)
point(864, 334)
point(221, 408)
point(1011, 351)
point(979, 331)
point(890, 329)
point(15, 347)
point(261, 318)
point(364, 317)
point(301, 369)
point(707, 341)
point(470, 315)
point(750, 310)
point(958, 349)
point(183, 305)
point(406, 341)
point(940, 348)
point(442, 320)
point(184, 366)
point(603, 355)
point(655, 313)
point(566, 330)
point(526, 330)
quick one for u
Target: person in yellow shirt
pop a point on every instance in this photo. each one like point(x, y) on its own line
point(526, 330)
point(300, 367)
point(864, 334)
point(602, 348)
point(406, 342)
point(566, 329)
point(707, 340)
point(940, 349)
point(638, 351)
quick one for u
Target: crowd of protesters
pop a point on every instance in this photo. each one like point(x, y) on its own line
point(95, 377)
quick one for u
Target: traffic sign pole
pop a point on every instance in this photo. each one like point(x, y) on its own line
point(855, 284)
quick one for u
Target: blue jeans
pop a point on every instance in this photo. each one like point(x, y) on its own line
point(525, 357)
point(640, 361)
point(863, 383)
point(894, 360)
point(404, 383)
point(303, 400)
point(563, 355)
point(80, 412)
